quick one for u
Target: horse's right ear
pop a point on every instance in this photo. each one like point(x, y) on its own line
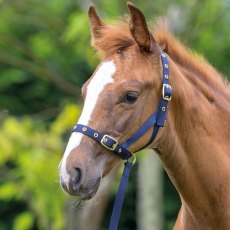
point(95, 22)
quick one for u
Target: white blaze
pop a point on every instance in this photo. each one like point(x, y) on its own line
point(102, 77)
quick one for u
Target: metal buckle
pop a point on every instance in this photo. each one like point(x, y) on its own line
point(104, 140)
point(166, 97)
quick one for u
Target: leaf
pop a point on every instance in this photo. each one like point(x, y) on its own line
point(23, 221)
point(42, 45)
point(66, 119)
point(8, 191)
point(11, 76)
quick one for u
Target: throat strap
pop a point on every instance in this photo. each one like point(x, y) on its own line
point(150, 122)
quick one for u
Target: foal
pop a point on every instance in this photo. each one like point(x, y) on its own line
point(125, 90)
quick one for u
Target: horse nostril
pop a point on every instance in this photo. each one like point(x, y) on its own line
point(76, 178)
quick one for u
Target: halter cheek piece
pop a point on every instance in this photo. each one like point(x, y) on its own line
point(155, 121)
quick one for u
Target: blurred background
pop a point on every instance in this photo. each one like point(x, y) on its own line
point(45, 57)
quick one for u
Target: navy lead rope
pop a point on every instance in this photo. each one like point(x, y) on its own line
point(114, 221)
point(155, 121)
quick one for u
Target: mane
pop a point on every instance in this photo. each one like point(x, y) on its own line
point(113, 38)
point(117, 37)
point(194, 66)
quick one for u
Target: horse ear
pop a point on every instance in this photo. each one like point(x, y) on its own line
point(95, 22)
point(139, 29)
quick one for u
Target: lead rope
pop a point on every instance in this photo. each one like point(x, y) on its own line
point(114, 221)
point(155, 121)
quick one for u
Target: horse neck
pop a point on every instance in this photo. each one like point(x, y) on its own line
point(194, 149)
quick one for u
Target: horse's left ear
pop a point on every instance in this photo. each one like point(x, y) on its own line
point(139, 29)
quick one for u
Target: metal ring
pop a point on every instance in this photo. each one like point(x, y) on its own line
point(132, 159)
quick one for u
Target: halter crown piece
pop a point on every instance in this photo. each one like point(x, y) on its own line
point(155, 121)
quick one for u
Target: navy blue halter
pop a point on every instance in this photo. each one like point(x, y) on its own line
point(155, 121)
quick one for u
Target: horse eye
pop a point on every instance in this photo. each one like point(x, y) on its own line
point(130, 97)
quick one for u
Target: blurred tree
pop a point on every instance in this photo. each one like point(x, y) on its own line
point(40, 53)
point(150, 192)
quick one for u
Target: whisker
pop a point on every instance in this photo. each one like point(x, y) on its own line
point(57, 181)
point(78, 204)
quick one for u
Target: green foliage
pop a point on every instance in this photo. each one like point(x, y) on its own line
point(42, 51)
point(28, 169)
point(23, 221)
point(207, 32)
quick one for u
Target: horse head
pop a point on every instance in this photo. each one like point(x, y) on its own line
point(121, 94)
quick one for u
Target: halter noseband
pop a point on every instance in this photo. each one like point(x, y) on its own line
point(155, 121)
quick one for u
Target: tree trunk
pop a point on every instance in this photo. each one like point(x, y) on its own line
point(150, 192)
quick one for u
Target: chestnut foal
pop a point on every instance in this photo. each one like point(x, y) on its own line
point(125, 90)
